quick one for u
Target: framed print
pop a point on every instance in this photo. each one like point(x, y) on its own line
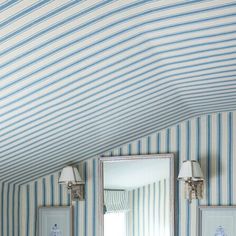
point(217, 221)
point(55, 221)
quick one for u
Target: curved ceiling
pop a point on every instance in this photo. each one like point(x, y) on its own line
point(78, 78)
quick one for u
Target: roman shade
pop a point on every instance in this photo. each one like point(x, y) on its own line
point(116, 201)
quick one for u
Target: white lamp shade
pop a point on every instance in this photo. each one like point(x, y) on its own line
point(190, 169)
point(70, 174)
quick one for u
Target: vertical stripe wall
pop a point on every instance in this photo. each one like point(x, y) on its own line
point(149, 210)
point(9, 209)
point(209, 139)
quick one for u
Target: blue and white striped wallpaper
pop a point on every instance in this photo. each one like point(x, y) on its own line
point(149, 213)
point(9, 209)
point(79, 78)
point(210, 139)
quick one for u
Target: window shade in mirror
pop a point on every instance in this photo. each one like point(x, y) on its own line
point(116, 201)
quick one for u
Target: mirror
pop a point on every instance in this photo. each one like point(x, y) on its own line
point(136, 195)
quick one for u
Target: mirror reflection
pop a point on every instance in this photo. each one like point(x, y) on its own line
point(137, 199)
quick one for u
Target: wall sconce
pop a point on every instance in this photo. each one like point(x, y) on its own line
point(191, 174)
point(71, 177)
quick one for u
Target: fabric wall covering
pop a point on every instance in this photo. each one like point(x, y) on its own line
point(209, 139)
point(9, 209)
point(149, 210)
point(78, 78)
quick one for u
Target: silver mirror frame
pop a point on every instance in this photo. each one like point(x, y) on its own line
point(101, 161)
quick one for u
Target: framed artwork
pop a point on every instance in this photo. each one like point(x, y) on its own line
point(55, 221)
point(217, 221)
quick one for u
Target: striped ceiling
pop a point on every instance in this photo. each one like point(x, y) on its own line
point(78, 78)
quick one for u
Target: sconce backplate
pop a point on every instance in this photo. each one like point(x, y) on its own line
point(77, 192)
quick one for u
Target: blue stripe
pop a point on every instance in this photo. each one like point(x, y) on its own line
point(208, 159)
point(120, 151)
point(18, 210)
point(168, 140)
point(187, 151)
point(219, 160)
point(76, 52)
point(35, 114)
point(198, 139)
point(51, 74)
point(109, 65)
point(185, 113)
point(149, 129)
point(109, 26)
point(52, 189)
point(139, 213)
point(38, 20)
point(129, 149)
point(154, 207)
point(178, 196)
point(230, 160)
point(27, 210)
point(76, 29)
point(210, 132)
point(7, 209)
point(115, 35)
point(159, 205)
point(23, 13)
point(13, 210)
point(7, 5)
point(148, 145)
point(68, 202)
point(188, 142)
point(94, 197)
point(70, 111)
point(139, 147)
point(77, 222)
point(149, 82)
point(60, 193)
point(198, 144)
point(2, 207)
point(35, 205)
point(70, 132)
point(164, 213)
point(149, 221)
point(143, 211)
point(134, 212)
point(44, 191)
point(158, 143)
point(86, 202)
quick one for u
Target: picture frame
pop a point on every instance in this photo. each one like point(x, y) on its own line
point(216, 221)
point(55, 221)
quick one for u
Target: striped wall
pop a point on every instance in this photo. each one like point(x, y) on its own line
point(47, 192)
point(9, 209)
point(78, 78)
point(149, 210)
point(209, 139)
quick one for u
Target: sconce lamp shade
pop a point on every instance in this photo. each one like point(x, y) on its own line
point(190, 170)
point(70, 174)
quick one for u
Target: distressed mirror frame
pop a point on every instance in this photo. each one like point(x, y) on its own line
point(101, 161)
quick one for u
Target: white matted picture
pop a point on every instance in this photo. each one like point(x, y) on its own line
point(217, 221)
point(55, 221)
